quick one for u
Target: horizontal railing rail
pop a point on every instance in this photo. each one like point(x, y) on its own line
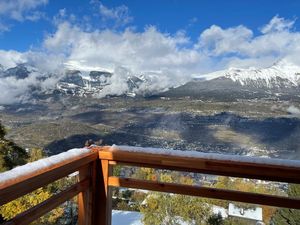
point(244, 169)
point(264, 170)
point(96, 179)
point(24, 184)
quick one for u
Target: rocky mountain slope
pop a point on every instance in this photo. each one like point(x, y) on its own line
point(281, 80)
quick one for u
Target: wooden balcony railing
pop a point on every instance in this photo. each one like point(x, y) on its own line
point(95, 179)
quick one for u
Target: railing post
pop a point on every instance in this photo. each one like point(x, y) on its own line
point(103, 194)
point(85, 199)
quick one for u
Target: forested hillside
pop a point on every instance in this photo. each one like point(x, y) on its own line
point(11, 155)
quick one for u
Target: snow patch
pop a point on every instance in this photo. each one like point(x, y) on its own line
point(293, 110)
point(251, 214)
point(80, 65)
point(270, 77)
point(220, 210)
point(126, 218)
point(209, 156)
point(42, 164)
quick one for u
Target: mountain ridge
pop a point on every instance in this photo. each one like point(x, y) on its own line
point(280, 79)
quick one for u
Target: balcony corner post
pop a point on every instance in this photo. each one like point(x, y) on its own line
point(103, 196)
point(85, 199)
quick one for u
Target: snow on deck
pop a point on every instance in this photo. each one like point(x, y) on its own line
point(126, 218)
point(219, 210)
point(209, 156)
point(42, 164)
point(133, 218)
point(252, 213)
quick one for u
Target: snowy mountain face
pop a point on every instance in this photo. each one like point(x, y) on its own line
point(281, 75)
point(281, 80)
point(21, 71)
point(95, 83)
point(75, 82)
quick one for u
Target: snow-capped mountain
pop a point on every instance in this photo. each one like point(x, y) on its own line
point(282, 79)
point(96, 83)
point(82, 83)
point(21, 71)
point(280, 75)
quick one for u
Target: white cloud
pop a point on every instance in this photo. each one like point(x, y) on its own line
point(276, 41)
point(277, 24)
point(139, 51)
point(217, 48)
point(216, 41)
point(14, 90)
point(119, 15)
point(169, 58)
point(3, 27)
point(19, 10)
point(11, 58)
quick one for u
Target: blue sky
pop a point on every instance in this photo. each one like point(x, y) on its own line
point(168, 16)
point(169, 37)
point(170, 41)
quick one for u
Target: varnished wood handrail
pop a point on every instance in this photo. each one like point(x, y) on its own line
point(95, 181)
point(46, 206)
point(216, 193)
point(28, 182)
point(25, 184)
point(243, 169)
point(281, 173)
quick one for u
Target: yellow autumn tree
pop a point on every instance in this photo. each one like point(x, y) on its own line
point(13, 208)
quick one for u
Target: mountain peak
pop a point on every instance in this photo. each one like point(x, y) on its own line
point(281, 73)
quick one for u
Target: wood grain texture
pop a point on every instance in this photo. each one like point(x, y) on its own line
point(215, 193)
point(200, 165)
point(25, 184)
point(39, 210)
point(105, 194)
point(85, 201)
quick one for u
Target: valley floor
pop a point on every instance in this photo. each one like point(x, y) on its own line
point(260, 128)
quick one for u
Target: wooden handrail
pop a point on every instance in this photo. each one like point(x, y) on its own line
point(216, 193)
point(23, 185)
point(251, 169)
point(46, 206)
point(95, 181)
point(281, 173)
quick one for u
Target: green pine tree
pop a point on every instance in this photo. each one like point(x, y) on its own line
point(11, 155)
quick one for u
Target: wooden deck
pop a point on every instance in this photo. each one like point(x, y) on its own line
point(95, 179)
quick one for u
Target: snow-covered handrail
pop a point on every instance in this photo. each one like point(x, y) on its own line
point(27, 178)
point(42, 165)
point(211, 163)
point(208, 156)
point(207, 163)
point(95, 178)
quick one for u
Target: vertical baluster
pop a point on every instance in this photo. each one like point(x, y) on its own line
point(104, 195)
point(85, 199)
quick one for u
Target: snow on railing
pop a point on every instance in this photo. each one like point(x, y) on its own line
point(42, 164)
point(95, 165)
point(208, 156)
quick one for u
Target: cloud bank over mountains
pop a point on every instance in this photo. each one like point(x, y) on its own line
point(19, 10)
point(173, 57)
